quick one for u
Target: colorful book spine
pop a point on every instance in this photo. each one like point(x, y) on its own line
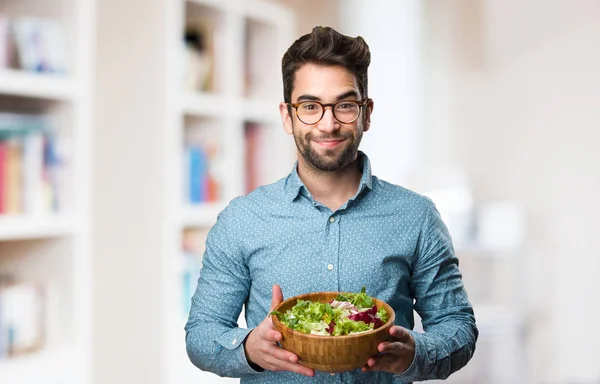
point(197, 174)
point(12, 177)
point(3, 161)
point(31, 169)
point(201, 186)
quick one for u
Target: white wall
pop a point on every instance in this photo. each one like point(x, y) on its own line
point(312, 13)
point(524, 88)
point(391, 28)
point(509, 92)
point(128, 187)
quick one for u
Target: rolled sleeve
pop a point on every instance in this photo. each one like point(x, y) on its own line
point(441, 301)
point(214, 341)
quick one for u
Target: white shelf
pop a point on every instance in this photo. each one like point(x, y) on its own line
point(201, 215)
point(21, 227)
point(262, 111)
point(231, 109)
point(204, 104)
point(62, 268)
point(49, 367)
point(213, 105)
point(38, 85)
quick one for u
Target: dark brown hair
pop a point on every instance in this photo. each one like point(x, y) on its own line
point(326, 46)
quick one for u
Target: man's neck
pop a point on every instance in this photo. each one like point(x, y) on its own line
point(332, 189)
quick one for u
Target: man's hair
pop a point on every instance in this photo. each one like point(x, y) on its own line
point(326, 46)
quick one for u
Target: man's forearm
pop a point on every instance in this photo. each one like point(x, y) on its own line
point(437, 356)
point(223, 354)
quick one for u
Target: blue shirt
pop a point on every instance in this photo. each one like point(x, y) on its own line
point(386, 238)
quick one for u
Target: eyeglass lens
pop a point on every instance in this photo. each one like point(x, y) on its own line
point(311, 112)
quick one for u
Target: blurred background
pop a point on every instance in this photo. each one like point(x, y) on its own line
point(126, 126)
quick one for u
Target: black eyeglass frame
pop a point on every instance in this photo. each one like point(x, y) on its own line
point(361, 104)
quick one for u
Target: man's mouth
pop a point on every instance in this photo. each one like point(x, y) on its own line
point(329, 143)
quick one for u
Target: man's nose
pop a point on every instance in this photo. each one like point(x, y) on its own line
point(328, 123)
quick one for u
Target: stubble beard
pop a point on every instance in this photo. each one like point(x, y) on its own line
point(329, 161)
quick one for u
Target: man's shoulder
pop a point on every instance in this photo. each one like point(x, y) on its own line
point(260, 198)
point(396, 194)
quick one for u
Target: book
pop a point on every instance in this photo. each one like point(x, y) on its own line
point(253, 142)
point(33, 174)
point(198, 170)
point(3, 151)
point(41, 45)
point(31, 166)
point(4, 42)
point(22, 317)
point(199, 56)
point(12, 177)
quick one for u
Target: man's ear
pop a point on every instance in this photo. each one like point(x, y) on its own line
point(368, 111)
point(286, 118)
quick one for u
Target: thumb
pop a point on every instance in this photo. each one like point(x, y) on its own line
point(277, 296)
point(399, 333)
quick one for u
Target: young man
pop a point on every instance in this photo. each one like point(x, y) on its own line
point(329, 226)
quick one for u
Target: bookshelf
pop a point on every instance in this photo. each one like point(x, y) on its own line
point(247, 41)
point(157, 124)
point(45, 238)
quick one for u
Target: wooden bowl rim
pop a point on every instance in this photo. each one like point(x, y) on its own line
point(389, 309)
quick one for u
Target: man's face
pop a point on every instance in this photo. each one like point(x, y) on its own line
point(328, 145)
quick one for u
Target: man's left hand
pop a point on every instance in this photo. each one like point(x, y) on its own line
point(396, 355)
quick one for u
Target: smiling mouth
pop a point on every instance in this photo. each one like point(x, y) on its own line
point(329, 143)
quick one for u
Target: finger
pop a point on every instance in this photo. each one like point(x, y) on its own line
point(390, 347)
point(283, 365)
point(273, 335)
point(380, 363)
point(283, 354)
point(277, 296)
point(399, 333)
point(298, 368)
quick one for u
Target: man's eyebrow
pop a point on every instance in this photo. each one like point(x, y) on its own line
point(343, 96)
point(346, 95)
point(307, 98)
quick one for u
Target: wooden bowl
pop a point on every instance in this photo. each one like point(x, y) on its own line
point(332, 353)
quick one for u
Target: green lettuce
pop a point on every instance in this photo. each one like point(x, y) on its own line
point(321, 318)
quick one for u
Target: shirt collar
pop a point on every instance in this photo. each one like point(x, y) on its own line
point(294, 185)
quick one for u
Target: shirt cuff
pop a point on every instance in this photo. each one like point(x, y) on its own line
point(420, 362)
point(232, 341)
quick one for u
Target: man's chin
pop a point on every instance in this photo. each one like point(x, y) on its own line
point(327, 165)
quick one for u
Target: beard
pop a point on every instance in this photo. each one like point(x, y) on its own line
point(330, 160)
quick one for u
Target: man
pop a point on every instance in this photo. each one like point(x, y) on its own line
point(329, 226)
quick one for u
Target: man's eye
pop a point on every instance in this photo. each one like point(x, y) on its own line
point(344, 106)
point(310, 106)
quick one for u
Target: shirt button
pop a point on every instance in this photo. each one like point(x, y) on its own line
point(330, 267)
point(234, 341)
point(331, 219)
point(332, 374)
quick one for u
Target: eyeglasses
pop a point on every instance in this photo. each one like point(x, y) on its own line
point(346, 111)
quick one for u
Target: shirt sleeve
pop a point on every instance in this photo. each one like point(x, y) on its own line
point(214, 341)
point(450, 333)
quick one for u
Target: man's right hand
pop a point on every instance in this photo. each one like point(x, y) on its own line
point(262, 349)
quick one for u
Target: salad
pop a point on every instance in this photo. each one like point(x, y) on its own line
point(348, 313)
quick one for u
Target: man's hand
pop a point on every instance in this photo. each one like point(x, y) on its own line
point(262, 349)
point(396, 355)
